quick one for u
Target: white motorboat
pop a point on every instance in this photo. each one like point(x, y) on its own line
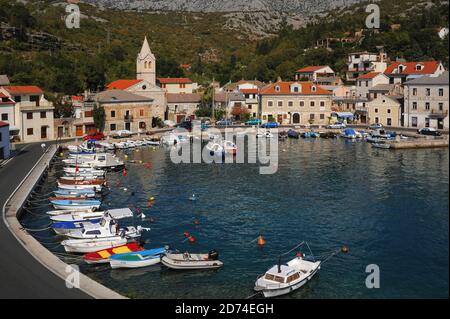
point(170, 139)
point(152, 143)
point(283, 279)
point(229, 147)
point(74, 193)
point(385, 146)
point(105, 145)
point(215, 149)
point(76, 205)
point(100, 161)
point(95, 188)
point(189, 261)
point(92, 245)
point(266, 134)
point(99, 231)
point(84, 177)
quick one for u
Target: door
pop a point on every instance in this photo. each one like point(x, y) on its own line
point(79, 130)
point(60, 131)
point(280, 119)
point(43, 132)
point(440, 125)
point(296, 118)
point(128, 126)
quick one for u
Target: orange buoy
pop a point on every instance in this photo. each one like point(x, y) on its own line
point(186, 234)
point(261, 241)
point(124, 173)
point(191, 239)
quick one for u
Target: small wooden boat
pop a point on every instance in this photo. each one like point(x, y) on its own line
point(102, 256)
point(138, 259)
point(116, 214)
point(189, 261)
point(92, 245)
point(385, 146)
point(78, 205)
point(66, 181)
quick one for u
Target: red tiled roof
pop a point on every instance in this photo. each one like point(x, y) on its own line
point(285, 89)
point(122, 84)
point(174, 80)
point(429, 67)
point(31, 89)
point(77, 98)
point(368, 76)
point(249, 91)
point(310, 69)
point(2, 124)
point(185, 66)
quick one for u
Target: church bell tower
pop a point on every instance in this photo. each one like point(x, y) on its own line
point(146, 64)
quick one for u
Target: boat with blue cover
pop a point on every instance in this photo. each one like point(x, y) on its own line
point(74, 193)
point(293, 134)
point(137, 259)
point(62, 228)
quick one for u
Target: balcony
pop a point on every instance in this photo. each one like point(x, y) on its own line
point(128, 118)
point(437, 114)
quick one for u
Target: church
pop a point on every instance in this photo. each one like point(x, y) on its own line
point(170, 98)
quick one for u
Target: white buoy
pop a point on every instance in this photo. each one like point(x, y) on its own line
point(143, 216)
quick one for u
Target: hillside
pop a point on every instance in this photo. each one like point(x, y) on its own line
point(36, 48)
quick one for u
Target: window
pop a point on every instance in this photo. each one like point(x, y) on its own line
point(414, 92)
point(313, 88)
point(290, 103)
point(377, 120)
point(18, 99)
point(441, 92)
point(88, 113)
point(414, 121)
point(427, 122)
point(43, 115)
point(280, 103)
point(141, 112)
point(113, 113)
point(277, 88)
point(427, 106)
point(4, 117)
point(376, 110)
point(270, 103)
point(322, 103)
point(29, 116)
point(302, 103)
point(29, 131)
point(313, 103)
point(294, 277)
point(367, 83)
point(441, 106)
point(322, 116)
point(389, 111)
point(428, 92)
point(389, 122)
point(414, 106)
point(311, 116)
point(112, 127)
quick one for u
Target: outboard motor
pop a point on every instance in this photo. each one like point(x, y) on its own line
point(213, 255)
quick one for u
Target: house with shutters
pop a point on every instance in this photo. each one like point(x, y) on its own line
point(313, 73)
point(301, 103)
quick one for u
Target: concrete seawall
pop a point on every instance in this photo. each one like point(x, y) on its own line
point(12, 211)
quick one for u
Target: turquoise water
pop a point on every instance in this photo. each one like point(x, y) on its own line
point(389, 207)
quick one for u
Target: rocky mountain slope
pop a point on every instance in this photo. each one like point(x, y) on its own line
point(308, 7)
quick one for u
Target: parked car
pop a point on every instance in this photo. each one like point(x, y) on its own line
point(187, 125)
point(376, 126)
point(429, 131)
point(270, 125)
point(224, 123)
point(337, 126)
point(98, 136)
point(253, 122)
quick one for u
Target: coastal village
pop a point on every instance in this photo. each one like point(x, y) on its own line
point(375, 89)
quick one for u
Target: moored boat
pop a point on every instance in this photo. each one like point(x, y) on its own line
point(137, 259)
point(74, 193)
point(102, 256)
point(116, 214)
point(189, 261)
point(77, 205)
point(92, 245)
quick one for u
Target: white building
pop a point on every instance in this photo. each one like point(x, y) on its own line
point(33, 114)
point(367, 81)
point(363, 62)
point(427, 102)
point(400, 72)
point(311, 73)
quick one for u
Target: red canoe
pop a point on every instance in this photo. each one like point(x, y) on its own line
point(101, 257)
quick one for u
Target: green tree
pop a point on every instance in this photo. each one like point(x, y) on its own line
point(99, 115)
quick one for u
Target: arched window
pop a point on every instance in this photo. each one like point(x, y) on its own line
point(145, 64)
point(149, 64)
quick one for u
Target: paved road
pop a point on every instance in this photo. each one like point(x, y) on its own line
point(22, 276)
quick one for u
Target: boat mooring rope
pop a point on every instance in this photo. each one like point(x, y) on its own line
point(37, 230)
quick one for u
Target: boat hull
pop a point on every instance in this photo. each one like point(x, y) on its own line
point(90, 246)
point(116, 264)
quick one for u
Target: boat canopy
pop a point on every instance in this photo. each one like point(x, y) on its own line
point(349, 132)
point(343, 115)
point(120, 213)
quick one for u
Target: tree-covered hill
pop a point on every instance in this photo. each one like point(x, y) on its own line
point(37, 48)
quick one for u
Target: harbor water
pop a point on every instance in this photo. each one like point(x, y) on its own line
point(389, 207)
